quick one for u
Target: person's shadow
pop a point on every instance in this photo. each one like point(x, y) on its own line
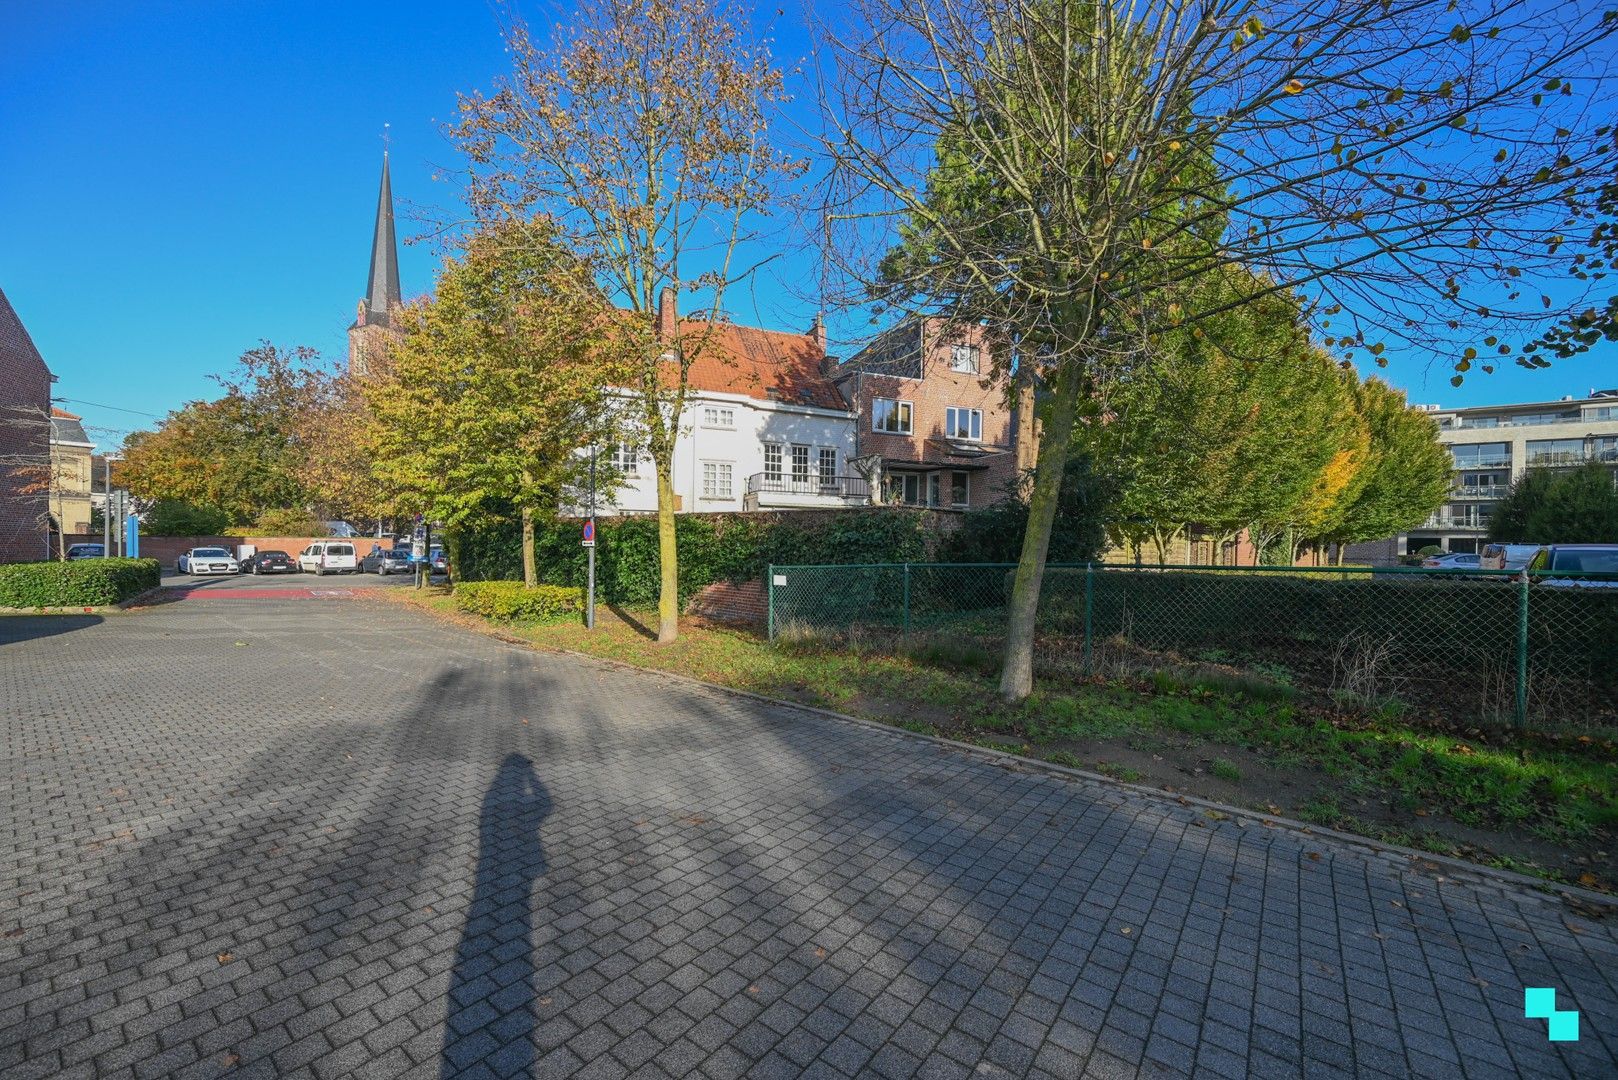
point(491, 991)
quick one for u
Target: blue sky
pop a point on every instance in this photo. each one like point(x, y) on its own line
point(180, 180)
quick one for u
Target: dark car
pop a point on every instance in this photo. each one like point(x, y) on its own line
point(269, 562)
point(386, 561)
point(86, 551)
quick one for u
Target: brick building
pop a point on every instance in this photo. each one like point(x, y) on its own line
point(932, 426)
point(25, 442)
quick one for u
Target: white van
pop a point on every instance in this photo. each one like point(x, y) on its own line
point(329, 557)
point(1506, 556)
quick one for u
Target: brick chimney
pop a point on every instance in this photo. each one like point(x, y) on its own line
point(817, 330)
point(666, 314)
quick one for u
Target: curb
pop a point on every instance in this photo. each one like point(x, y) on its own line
point(1543, 888)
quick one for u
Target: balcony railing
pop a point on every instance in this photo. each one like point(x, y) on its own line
point(1480, 491)
point(842, 488)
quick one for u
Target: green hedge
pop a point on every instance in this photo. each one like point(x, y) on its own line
point(713, 547)
point(81, 583)
point(509, 600)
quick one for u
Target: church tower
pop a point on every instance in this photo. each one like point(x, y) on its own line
point(376, 324)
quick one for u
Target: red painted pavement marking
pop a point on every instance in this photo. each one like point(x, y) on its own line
point(257, 594)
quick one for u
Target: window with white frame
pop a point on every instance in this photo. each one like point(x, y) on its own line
point(963, 423)
point(800, 464)
point(718, 416)
point(625, 459)
point(964, 358)
point(716, 479)
point(893, 417)
point(772, 461)
point(828, 467)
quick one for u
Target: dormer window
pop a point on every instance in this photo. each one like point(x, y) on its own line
point(964, 359)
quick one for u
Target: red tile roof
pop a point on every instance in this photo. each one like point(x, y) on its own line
point(63, 414)
point(747, 360)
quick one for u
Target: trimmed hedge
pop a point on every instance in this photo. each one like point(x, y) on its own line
point(507, 600)
point(713, 547)
point(81, 583)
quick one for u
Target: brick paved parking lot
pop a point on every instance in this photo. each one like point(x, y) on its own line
point(327, 837)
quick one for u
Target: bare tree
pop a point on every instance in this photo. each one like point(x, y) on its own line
point(643, 131)
point(1067, 171)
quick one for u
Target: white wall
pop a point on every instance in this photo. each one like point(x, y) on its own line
point(741, 447)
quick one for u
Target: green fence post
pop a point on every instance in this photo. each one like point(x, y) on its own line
point(1089, 613)
point(769, 591)
point(1522, 651)
point(907, 600)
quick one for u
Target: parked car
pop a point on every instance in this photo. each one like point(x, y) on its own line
point(1506, 556)
point(86, 551)
point(1576, 559)
point(385, 561)
point(269, 562)
point(328, 557)
point(437, 561)
point(1454, 560)
point(208, 560)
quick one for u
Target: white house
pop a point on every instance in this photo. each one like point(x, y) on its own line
point(763, 429)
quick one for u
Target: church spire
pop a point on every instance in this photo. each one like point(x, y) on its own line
point(382, 292)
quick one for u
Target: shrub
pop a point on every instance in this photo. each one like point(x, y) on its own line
point(176, 517)
point(85, 582)
point(713, 547)
point(508, 600)
point(281, 523)
point(994, 534)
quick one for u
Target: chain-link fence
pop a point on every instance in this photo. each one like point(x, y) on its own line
point(1476, 646)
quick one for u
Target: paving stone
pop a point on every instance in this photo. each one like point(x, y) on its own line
point(653, 878)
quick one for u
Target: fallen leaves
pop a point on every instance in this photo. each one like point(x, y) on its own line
point(224, 957)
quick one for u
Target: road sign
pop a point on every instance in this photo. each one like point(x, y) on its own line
point(589, 532)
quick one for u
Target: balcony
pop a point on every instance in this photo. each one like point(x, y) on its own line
point(1480, 491)
point(787, 492)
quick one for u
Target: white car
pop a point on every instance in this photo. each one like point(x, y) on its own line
point(329, 557)
point(209, 560)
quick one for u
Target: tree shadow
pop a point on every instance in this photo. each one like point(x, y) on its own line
point(623, 616)
point(19, 628)
point(494, 962)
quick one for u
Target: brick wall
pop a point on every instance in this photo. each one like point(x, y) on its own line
point(741, 602)
point(25, 403)
point(168, 549)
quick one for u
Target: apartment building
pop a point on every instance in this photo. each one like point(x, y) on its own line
point(1494, 444)
point(932, 427)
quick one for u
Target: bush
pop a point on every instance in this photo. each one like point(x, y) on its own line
point(508, 600)
point(281, 523)
point(994, 534)
point(713, 547)
point(176, 517)
point(83, 583)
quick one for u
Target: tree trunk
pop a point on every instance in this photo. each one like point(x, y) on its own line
point(668, 594)
point(1017, 673)
point(530, 574)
